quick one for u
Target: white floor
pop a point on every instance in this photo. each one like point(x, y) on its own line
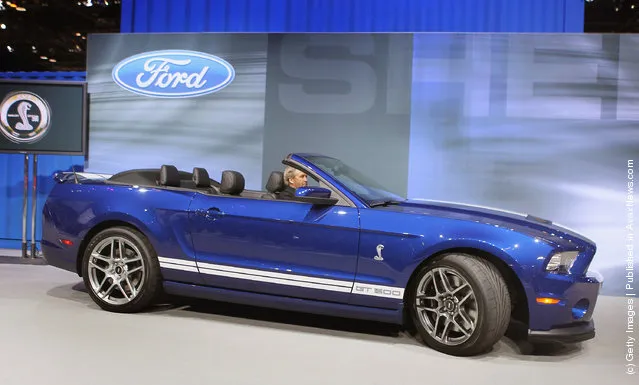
point(51, 333)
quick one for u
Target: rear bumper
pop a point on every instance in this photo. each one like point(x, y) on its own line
point(53, 251)
point(58, 256)
point(568, 334)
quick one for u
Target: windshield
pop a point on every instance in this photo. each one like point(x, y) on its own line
point(358, 183)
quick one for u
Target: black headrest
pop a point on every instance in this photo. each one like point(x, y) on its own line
point(201, 177)
point(232, 182)
point(169, 176)
point(275, 182)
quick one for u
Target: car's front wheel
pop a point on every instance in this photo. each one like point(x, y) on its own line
point(459, 304)
point(120, 270)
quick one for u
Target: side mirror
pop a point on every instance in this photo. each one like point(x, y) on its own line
point(315, 195)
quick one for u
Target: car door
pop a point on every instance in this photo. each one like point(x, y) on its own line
point(275, 247)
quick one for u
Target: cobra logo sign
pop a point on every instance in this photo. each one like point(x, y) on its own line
point(173, 74)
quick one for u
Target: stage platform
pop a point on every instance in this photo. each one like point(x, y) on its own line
point(52, 333)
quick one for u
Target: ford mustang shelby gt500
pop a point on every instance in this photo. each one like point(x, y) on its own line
point(343, 246)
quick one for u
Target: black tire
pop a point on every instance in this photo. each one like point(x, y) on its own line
point(492, 304)
point(150, 283)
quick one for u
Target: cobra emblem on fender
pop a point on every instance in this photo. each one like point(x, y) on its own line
point(379, 257)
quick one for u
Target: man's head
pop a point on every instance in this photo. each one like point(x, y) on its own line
point(294, 178)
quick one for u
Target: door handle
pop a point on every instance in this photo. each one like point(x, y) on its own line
point(213, 212)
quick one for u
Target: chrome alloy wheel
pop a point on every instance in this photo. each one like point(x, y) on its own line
point(116, 270)
point(446, 306)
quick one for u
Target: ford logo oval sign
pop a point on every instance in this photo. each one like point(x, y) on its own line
point(173, 74)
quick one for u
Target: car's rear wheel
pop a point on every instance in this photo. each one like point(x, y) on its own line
point(121, 271)
point(459, 304)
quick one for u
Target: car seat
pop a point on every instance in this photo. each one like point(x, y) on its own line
point(169, 176)
point(232, 183)
point(202, 180)
point(274, 185)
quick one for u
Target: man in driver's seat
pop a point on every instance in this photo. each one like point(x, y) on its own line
point(294, 179)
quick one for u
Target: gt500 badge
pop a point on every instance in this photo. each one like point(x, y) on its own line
point(378, 291)
point(24, 117)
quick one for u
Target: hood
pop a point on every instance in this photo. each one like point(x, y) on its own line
point(524, 223)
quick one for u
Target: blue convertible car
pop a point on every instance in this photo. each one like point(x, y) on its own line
point(343, 246)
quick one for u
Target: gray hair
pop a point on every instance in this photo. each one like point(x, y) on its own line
point(289, 173)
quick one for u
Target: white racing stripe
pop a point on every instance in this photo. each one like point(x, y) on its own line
point(282, 278)
point(279, 281)
point(178, 264)
point(176, 261)
point(262, 273)
point(178, 267)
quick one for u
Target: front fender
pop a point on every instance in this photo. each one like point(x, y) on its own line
point(519, 264)
point(470, 245)
point(523, 254)
point(412, 240)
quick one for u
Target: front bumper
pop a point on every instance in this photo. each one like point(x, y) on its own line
point(568, 334)
point(570, 319)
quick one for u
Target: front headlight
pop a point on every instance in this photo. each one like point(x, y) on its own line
point(562, 262)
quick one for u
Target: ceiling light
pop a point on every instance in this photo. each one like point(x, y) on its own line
point(43, 57)
point(9, 48)
point(3, 26)
point(21, 9)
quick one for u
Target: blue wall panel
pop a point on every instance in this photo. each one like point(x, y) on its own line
point(11, 190)
point(59, 76)
point(290, 16)
point(12, 173)
point(352, 15)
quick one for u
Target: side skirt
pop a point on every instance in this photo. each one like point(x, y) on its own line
point(284, 303)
